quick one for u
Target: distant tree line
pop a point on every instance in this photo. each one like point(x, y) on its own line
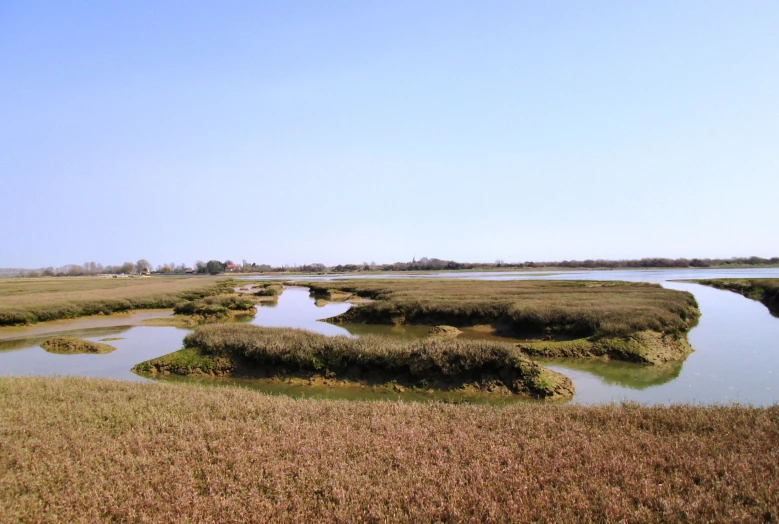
point(215, 267)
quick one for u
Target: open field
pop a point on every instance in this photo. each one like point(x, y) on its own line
point(622, 320)
point(765, 290)
point(26, 301)
point(432, 363)
point(83, 450)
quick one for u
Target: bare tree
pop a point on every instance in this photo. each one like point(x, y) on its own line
point(142, 265)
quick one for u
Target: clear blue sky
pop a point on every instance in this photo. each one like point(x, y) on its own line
point(334, 132)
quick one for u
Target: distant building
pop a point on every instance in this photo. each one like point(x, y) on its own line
point(232, 267)
point(189, 271)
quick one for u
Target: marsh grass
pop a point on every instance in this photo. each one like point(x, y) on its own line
point(537, 307)
point(765, 290)
point(218, 306)
point(71, 345)
point(86, 450)
point(37, 300)
point(430, 363)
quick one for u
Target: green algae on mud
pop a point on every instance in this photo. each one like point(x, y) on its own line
point(233, 350)
point(765, 290)
point(636, 322)
point(72, 346)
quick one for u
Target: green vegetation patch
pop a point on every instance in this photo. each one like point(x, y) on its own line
point(427, 363)
point(765, 290)
point(186, 362)
point(219, 307)
point(536, 307)
point(72, 346)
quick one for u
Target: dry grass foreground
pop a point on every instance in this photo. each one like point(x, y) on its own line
point(765, 290)
point(71, 345)
point(622, 320)
point(85, 450)
point(36, 300)
point(431, 363)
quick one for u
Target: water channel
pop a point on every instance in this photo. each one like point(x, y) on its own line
point(736, 342)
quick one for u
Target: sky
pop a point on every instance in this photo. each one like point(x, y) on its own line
point(344, 132)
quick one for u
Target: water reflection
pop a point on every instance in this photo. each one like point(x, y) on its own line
point(616, 373)
point(26, 357)
point(22, 343)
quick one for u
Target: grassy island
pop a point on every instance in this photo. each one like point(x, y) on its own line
point(622, 320)
point(86, 450)
point(432, 363)
point(71, 346)
point(765, 290)
point(27, 301)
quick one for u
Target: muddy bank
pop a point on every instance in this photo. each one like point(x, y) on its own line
point(435, 363)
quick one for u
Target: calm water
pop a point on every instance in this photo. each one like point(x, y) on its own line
point(736, 344)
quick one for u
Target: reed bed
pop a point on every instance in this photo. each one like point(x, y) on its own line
point(85, 450)
point(556, 308)
point(38, 300)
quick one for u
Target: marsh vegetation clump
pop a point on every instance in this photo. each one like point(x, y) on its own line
point(444, 331)
point(217, 307)
point(765, 290)
point(430, 363)
point(71, 346)
point(537, 307)
point(76, 449)
point(267, 290)
point(637, 322)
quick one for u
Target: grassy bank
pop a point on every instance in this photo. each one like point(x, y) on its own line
point(622, 320)
point(71, 346)
point(82, 450)
point(765, 290)
point(434, 363)
point(37, 300)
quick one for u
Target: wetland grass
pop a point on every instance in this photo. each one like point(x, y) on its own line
point(431, 363)
point(37, 300)
point(86, 450)
point(622, 320)
point(765, 290)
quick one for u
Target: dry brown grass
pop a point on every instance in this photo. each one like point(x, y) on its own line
point(80, 450)
point(36, 300)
